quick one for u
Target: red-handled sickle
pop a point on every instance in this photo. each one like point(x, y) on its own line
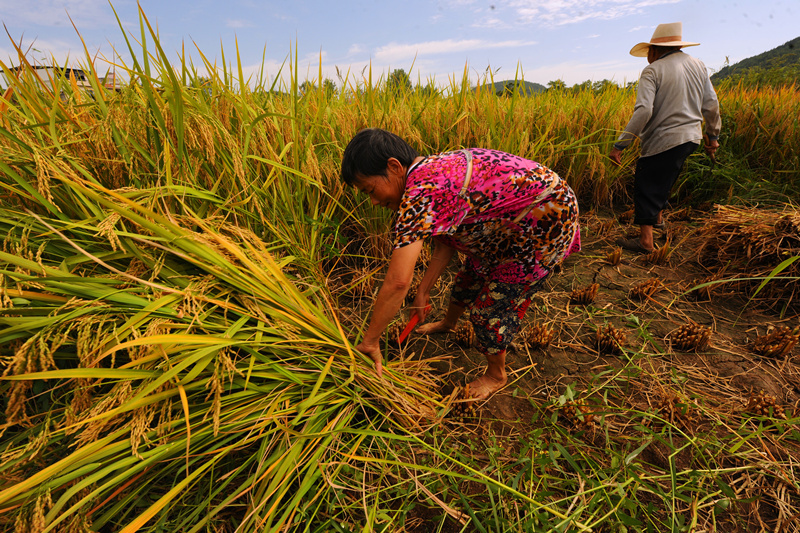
point(411, 324)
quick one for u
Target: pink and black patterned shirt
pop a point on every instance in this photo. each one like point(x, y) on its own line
point(515, 221)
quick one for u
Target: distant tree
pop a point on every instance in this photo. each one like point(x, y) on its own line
point(556, 85)
point(398, 81)
point(604, 85)
point(203, 83)
point(329, 87)
point(585, 86)
point(758, 77)
point(429, 89)
point(306, 87)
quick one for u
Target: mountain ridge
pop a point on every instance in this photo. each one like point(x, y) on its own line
point(785, 56)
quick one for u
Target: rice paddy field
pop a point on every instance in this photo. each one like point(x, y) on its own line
point(183, 277)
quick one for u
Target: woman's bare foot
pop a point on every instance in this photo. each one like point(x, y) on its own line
point(492, 380)
point(434, 327)
point(485, 386)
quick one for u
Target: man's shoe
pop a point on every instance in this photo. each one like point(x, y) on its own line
point(634, 245)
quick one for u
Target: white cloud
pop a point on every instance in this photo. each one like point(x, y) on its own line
point(86, 13)
point(269, 70)
point(238, 23)
point(491, 23)
point(355, 49)
point(394, 52)
point(315, 58)
point(560, 12)
point(55, 51)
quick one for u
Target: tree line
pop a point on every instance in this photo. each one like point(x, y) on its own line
point(399, 81)
point(776, 68)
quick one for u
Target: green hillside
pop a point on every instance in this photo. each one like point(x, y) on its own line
point(779, 66)
point(525, 88)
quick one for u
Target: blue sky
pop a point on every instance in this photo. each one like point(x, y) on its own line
point(572, 40)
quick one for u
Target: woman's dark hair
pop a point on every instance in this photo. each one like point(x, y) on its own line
point(368, 153)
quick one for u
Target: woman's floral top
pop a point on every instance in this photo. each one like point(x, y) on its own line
point(515, 221)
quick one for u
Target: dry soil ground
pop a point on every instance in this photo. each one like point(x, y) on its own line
point(648, 324)
point(722, 377)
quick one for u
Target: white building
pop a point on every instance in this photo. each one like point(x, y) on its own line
point(48, 76)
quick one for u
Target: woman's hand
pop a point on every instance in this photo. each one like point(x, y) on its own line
point(421, 305)
point(389, 299)
point(374, 352)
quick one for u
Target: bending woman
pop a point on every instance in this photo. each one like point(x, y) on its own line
point(514, 219)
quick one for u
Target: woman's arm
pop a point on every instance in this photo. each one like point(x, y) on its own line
point(439, 260)
point(389, 300)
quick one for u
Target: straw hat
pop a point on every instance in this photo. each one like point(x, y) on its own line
point(665, 35)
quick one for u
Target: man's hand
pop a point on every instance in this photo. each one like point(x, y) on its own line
point(616, 156)
point(711, 148)
point(374, 352)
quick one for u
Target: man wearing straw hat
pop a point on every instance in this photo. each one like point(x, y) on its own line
point(673, 97)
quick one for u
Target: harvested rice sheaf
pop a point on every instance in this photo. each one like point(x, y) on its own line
point(788, 226)
point(462, 408)
point(626, 217)
point(393, 333)
point(465, 335)
point(776, 344)
point(659, 256)
point(537, 336)
point(610, 339)
point(761, 403)
point(584, 296)
point(412, 291)
point(673, 409)
point(691, 337)
point(576, 413)
point(703, 293)
point(614, 256)
point(646, 290)
point(605, 227)
point(362, 283)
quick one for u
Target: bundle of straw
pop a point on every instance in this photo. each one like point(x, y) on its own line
point(760, 246)
point(179, 358)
